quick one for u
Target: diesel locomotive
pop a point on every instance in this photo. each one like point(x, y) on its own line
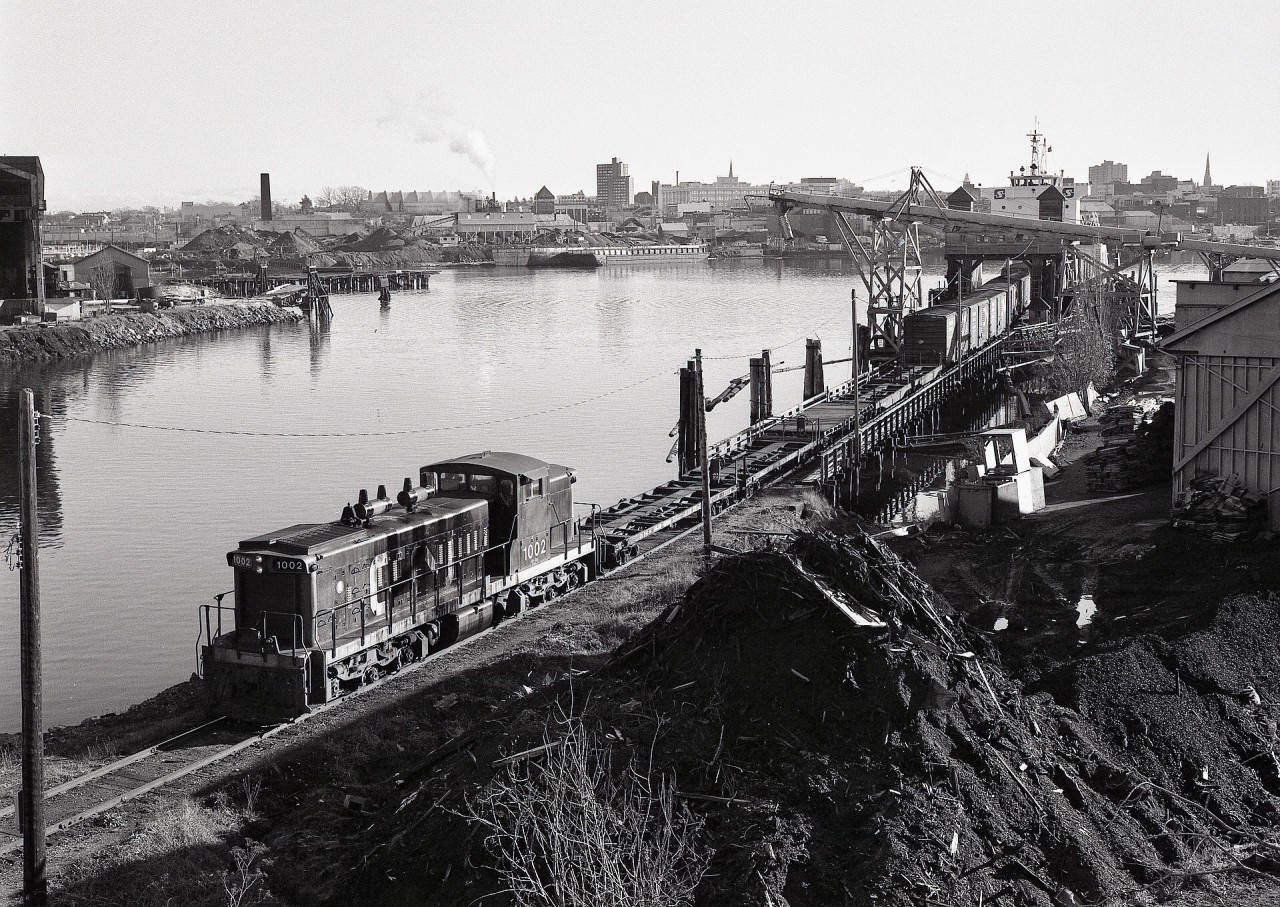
point(322, 608)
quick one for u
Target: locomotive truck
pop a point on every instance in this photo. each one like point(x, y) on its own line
point(321, 609)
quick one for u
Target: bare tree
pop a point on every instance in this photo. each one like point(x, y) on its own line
point(328, 197)
point(353, 197)
point(103, 281)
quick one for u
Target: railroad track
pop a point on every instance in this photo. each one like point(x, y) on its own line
point(103, 788)
point(132, 776)
point(108, 786)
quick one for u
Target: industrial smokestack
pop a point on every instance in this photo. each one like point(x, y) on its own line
point(266, 196)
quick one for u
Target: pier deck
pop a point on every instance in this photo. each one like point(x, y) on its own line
point(333, 280)
point(830, 434)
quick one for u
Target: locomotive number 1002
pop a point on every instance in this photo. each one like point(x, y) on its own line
point(535, 548)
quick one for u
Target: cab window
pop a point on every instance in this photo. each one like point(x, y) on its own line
point(453, 481)
point(481, 484)
point(533, 489)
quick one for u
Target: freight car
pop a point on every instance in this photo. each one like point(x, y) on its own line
point(949, 331)
point(322, 608)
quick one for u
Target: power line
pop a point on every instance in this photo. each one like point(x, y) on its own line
point(366, 434)
point(809, 333)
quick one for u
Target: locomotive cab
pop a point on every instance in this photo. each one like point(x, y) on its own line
point(530, 504)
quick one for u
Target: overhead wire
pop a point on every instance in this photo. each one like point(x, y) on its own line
point(365, 434)
point(807, 334)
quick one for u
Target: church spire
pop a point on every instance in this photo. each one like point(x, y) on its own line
point(730, 168)
point(1208, 180)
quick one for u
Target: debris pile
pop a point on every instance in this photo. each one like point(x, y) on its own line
point(1133, 452)
point(1220, 508)
point(844, 739)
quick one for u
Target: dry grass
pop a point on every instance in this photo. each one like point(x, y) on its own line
point(633, 605)
point(177, 857)
point(185, 855)
point(571, 829)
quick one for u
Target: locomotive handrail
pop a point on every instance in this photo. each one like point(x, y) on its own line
point(204, 630)
point(329, 615)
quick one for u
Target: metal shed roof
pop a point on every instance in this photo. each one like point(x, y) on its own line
point(1264, 291)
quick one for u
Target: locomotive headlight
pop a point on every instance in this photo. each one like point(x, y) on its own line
point(257, 569)
point(339, 586)
point(258, 558)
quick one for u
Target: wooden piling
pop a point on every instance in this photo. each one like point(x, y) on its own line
point(31, 797)
point(814, 383)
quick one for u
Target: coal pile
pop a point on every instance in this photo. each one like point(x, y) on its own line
point(220, 240)
point(844, 739)
point(292, 243)
point(380, 240)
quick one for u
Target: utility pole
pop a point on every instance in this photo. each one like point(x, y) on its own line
point(31, 797)
point(700, 402)
point(856, 355)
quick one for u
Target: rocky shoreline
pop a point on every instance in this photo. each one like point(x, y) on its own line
point(52, 342)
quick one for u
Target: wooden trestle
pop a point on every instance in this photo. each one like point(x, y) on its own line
point(833, 434)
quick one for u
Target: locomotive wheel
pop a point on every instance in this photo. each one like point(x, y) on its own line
point(551, 594)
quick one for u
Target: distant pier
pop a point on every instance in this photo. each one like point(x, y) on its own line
point(333, 280)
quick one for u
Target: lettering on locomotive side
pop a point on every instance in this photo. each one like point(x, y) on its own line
point(278, 564)
point(535, 548)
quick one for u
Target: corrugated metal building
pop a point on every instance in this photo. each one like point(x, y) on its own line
point(1228, 396)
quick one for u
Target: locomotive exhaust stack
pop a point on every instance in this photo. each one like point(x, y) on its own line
point(368, 509)
point(410, 496)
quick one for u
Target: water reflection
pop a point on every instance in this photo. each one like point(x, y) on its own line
point(48, 487)
point(319, 346)
point(139, 521)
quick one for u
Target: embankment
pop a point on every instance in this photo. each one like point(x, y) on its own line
point(51, 342)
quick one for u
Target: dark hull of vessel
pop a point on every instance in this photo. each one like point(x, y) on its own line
point(573, 259)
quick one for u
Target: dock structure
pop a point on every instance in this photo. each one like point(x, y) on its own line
point(826, 440)
point(333, 280)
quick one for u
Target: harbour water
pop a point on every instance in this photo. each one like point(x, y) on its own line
point(577, 367)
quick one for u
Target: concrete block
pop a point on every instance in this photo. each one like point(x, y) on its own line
point(1007, 505)
point(936, 506)
point(1037, 488)
point(1047, 469)
point(973, 505)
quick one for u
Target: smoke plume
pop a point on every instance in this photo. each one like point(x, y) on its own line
point(431, 123)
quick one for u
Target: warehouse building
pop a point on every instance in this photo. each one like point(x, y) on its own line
point(1227, 418)
point(21, 207)
point(125, 271)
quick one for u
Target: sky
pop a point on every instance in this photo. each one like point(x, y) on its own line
point(159, 103)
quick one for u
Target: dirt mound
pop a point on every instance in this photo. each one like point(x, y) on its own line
point(295, 242)
point(221, 239)
point(379, 240)
point(844, 743)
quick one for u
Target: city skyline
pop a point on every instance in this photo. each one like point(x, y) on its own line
point(219, 96)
